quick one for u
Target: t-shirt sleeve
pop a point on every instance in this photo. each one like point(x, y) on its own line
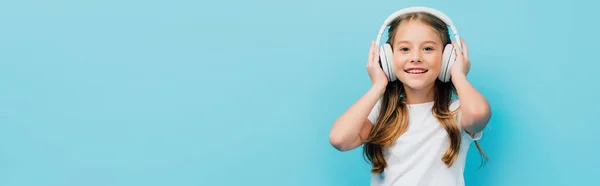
point(374, 112)
point(453, 106)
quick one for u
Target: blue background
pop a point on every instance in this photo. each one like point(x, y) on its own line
point(244, 92)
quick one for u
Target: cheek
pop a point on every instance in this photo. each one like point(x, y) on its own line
point(399, 62)
point(435, 62)
point(399, 58)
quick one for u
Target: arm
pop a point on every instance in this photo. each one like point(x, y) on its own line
point(475, 109)
point(353, 126)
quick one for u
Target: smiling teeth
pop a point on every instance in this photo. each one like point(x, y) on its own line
point(416, 71)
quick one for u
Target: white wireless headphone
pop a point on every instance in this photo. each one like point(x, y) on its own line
point(385, 52)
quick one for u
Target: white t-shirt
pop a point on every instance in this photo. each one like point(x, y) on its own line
point(415, 158)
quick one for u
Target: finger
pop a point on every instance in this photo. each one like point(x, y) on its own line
point(376, 56)
point(371, 51)
point(459, 54)
point(465, 49)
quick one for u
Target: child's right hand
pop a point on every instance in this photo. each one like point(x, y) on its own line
point(378, 77)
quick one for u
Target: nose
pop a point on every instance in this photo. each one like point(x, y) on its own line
point(416, 57)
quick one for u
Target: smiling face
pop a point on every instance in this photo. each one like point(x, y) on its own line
point(417, 52)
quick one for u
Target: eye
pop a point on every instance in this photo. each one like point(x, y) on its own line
point(403, 49)
point(428, 49)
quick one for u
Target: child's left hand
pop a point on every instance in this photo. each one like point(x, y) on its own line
point(462, 64)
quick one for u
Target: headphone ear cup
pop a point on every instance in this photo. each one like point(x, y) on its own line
point(383, 61)
point(387, 61)
point(448, 58)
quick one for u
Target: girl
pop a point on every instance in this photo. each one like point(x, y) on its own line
point(411, 130)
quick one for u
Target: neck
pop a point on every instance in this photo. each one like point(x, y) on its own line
point(417, 96)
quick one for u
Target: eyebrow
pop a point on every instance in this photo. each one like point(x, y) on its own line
point(428, 41)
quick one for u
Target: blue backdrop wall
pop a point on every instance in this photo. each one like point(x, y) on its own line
point(230, 92)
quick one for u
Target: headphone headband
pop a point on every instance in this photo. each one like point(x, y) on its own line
point(432, 11)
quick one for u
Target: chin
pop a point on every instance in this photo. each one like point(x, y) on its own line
point(417, 83)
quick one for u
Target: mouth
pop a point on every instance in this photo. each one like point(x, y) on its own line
point(415, 70)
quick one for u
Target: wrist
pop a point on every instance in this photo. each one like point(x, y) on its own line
point(380, 89)
point(459, 78)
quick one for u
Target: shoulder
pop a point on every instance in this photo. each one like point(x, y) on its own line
point(454, 104)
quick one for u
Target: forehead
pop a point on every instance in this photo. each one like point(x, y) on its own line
point(416, 32)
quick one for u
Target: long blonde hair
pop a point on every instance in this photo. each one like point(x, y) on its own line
point(393, 117)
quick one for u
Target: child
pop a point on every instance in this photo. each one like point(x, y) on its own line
point(412, 131)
